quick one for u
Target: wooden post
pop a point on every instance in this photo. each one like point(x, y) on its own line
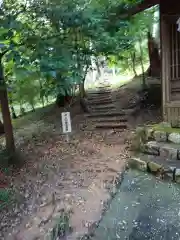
point(10, 146)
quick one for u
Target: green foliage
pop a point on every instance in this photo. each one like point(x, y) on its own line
point(48, 45)
point(130, 56)
point(5, 198)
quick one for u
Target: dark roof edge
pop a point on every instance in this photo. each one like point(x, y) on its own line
point(142, 6)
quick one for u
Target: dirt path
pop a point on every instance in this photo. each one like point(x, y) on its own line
point(76, 177)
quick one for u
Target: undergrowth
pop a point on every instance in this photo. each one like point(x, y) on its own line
point(6, 198)
point(8, 159)
point(62, 226)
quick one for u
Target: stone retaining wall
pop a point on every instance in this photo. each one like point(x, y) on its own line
point(144, 134)
point(165, 172)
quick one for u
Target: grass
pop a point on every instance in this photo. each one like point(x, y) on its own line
point(124, 78)
point(160, 128)
point(62, 226)
point(31, 116)
point(163, 127)
point(115, 82)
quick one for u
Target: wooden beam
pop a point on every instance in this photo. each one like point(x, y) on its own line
point(136, 8)
point(143, 6)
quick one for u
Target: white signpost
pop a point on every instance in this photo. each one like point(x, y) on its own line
point(66, 124)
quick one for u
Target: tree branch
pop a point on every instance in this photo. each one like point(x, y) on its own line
point(3, 53)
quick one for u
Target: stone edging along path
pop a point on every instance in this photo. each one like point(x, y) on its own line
point(165, 171)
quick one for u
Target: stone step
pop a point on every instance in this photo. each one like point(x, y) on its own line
point(99, 99)
point(109, 119)
point(105, 114)
point(111, 125)
point(103, 107)
point(102, 110)
point(104, 87)
point(101, 91)
point(164, 150)
point(157, 165)
point(101, 102)
point(99, 95)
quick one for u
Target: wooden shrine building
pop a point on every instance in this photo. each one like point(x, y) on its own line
point(170, 55)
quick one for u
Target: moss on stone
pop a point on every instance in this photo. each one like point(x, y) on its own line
point(160, 127)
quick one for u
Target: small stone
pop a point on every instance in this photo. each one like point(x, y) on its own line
point(177, 175)
point(26, 195)
point(149, 133)
point(178, 172)
point(174, 137)
point(160, 136)
point(68, 195)
point(154, 167)
point(152, 148)
point(138, 164)
point(28, 225)
point(169, 152)
point(168, 173)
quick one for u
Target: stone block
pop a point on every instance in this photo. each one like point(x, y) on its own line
point(152, 148)
point(149, 133)
point(168, 173)
point(178, 155)
point(137, 163)
point(174, 137)
point(177, 175)
point(169, 152)
point(160, 136)
point(154, 167)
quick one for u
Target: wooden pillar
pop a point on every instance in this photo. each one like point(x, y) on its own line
point(165, 64)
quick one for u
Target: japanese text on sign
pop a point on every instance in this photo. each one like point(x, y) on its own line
point(66, 122)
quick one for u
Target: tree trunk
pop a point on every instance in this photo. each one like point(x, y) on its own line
point(41, 93)
point(133, 59)
point(83, 100)
point(10, 146)
point(81, 86)
point(98, 69)
point(22, 110)
point(42, 100)
point(32, 105)
point(82, 90)
point(154, 58)
point(1, 128)
point(142, 66)
point(14, 116)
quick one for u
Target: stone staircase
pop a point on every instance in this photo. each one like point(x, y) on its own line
point(104, 114)
point(159, 151)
